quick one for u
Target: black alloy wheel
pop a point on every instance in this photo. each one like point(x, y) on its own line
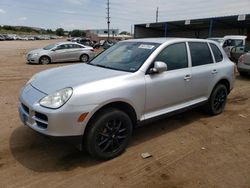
point(217, 100)
point(108, 134)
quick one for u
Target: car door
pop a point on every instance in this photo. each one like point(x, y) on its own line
point(60, 53)
point(203, 70)
point(77, 52)
point(167, 91)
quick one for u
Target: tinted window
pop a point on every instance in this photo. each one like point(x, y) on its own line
point(77, 46)
point(217, 53)
point(175, 56)
point(69, 46)
point(200, 53)
point(61, 47)
point(231, 42)
point(49, 47)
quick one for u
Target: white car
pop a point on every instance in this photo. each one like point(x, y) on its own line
point(61, 52)
point(132, 82)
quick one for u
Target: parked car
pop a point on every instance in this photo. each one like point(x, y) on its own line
point(234, 45)
point(9, 37)
point(76, 39)
point(244, 64)
point(2, 38)
point(128, 84)
point(108, 44)
point(61, 52)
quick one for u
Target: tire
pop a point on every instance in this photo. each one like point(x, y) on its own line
point(217, 100)
point(44, 60)
point(243, 73)
point(84, 58)
point(108, 134)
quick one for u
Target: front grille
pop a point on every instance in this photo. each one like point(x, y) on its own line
point(41, 120)
point(41, 116)
point(26, 109)
point(41, 125)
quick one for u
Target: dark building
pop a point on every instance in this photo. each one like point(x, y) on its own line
point(197, 28)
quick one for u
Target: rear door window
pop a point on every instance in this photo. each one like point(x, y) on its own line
point(217, 53)
point(200, 53)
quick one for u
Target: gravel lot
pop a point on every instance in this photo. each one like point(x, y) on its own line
point(191, 149)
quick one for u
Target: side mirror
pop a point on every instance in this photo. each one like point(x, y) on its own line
point(53, 50)
point(159, 67)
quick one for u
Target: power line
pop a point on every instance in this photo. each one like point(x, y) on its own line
point(108, 18)
point(157, 14)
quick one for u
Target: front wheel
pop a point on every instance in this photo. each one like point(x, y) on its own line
point(109, 134)
point(44, 60)
point(243, 73)
point(217, 100)
point(84, 58)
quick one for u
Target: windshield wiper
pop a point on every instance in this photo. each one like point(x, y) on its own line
point(98, 65)
point(103, 66)
point(107, 67)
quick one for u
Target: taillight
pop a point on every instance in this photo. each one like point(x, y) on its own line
point(241, 59)
point(92, 50)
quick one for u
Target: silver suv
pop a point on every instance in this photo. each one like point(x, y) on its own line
point(130, 83)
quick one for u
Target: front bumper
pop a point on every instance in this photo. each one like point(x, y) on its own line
point(32, 59)
point(51, 122)
point(243, 67)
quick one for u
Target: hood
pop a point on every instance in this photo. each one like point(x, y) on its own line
point(55, 79)
point(37, 51)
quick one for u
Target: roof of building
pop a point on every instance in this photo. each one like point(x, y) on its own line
point(196, 24)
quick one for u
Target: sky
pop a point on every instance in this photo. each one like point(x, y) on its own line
point(91, 14)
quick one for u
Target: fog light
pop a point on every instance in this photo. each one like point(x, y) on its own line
point(82, 117)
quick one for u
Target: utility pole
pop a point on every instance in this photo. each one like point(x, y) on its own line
point(157, 14)
point(108, 17)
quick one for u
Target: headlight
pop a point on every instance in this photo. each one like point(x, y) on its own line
point(31, 79)
point(36, 54)
point(57, 99)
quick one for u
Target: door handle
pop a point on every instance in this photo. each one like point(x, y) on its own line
point(187, 77)
point(214, 71)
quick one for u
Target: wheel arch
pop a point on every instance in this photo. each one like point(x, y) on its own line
point(44, 55)
point(121, 105)
point(84, 53)
point(225, 82)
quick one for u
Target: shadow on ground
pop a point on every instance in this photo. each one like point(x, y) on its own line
point(43, 154)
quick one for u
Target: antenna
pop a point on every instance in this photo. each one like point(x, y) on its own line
point(108, 17)
point(157, 14)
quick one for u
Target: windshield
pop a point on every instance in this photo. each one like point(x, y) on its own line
point(49, 47)
point(125, 56)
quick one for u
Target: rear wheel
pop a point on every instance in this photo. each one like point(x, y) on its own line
point(217, 100)
point(84, 58)
point(109, 134)
point(44, 60)
point(243, 73)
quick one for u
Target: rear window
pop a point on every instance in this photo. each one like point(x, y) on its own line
point(217, 53)
point(200, 53)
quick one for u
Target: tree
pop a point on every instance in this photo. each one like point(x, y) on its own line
point(124, 33)
point(77, 33)
point(49, 31)
point(60, 32)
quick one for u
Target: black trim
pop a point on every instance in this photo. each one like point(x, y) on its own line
point(151, 120)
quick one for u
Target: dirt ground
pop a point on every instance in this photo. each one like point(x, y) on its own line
point(191, 149)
